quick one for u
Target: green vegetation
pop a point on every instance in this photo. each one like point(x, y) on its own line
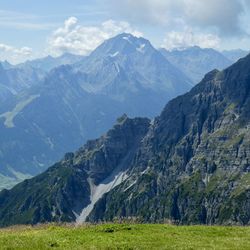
point(125, 236)
point(243, 185)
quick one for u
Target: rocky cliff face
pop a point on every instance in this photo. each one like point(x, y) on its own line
point(197, 170)
point(190, 165)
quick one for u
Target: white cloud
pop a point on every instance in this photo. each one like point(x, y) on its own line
point(14, 55)
point(80, 39)
point(189, 38)
point(222, 15)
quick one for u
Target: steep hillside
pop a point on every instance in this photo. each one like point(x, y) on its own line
point(195, 160)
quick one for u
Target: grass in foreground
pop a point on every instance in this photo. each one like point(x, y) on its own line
point(125, 236)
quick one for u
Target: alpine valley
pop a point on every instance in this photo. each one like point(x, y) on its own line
point(189, 165)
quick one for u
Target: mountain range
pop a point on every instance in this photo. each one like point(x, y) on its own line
point(55, 104)
point(235, 54)
point(55, 107)
point(189, 165)
point(48, 63)
point(195, 62)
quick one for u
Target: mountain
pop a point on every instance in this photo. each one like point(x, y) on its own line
point(234, 55)
point(14, 80)
point(74, 103)
point(190, 165)
point(18, 78)
point(6, 65)
point(126, 65)
point(48, 63)
point(196, 61)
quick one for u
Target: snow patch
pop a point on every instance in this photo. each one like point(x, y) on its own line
point(115, 54)
point(206, 179)
point(117, 68)
point(141, 48)
point(50, 143)
point(126, 38)
point(131, 185)
point(98, 191)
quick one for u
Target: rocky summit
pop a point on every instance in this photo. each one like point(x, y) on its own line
point(190, 165)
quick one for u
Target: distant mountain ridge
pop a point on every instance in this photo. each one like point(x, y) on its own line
point(14, 80)
point(190, 165)
point(48, 63)
point(195, 62)
point(235, 55)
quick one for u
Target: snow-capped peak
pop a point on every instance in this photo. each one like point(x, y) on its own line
point(126, 38)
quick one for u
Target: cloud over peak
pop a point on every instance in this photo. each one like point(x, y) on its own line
point(13, 54)
point(79, 39)
point(221, 15)
point(188, 37)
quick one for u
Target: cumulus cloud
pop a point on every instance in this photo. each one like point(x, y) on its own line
point(80, 39)
point(13, 54)
point(222, 15)
point(189, 38)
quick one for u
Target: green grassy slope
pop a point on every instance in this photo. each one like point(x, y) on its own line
point(125, 236)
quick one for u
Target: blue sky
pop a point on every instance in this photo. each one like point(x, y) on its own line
point(30, 29)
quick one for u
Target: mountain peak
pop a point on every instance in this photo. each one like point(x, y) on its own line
point(124, 44)
point(122, 118)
